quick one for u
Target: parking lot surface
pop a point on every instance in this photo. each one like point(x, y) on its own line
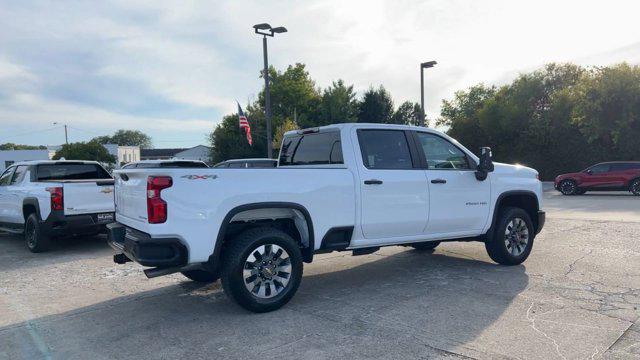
point(576, 297)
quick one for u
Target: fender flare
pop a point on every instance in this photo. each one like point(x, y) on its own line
point(307, 253)
point(35, 203)
point(502, 197)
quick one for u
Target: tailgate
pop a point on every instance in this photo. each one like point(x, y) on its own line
point(131, 194)
point(88, 197)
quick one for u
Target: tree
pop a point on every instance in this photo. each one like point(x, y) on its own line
point(228, 141)
point(376, 106)
point(607, 109)
point(288, 125)
point(91, 150)
point(12, 146)
point(558, 119)
point(126, 138)
point(292, 91)
point(407, 114)
point(338, 104)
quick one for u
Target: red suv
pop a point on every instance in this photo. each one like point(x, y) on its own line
point(616, 175)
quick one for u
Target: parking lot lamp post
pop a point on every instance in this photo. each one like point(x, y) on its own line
point(424, 65)
point(266, 30)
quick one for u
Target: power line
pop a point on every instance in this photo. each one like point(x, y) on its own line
point(30, 133)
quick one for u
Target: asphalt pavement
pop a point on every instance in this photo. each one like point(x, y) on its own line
point(576, 297)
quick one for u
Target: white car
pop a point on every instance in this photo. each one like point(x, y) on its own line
point(45, 199)
point(165, 164)
point(345, 187)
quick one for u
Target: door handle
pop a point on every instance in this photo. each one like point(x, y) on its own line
point(373, 182)
point(438, 181)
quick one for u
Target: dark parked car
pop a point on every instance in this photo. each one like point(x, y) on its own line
point(247, 163)
point(615, 175)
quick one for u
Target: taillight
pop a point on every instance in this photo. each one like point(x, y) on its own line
point(57, 198)
point(156, 207)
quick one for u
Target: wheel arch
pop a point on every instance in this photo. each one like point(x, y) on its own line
point(29, 206)
point(256, 211)
point(524, 199)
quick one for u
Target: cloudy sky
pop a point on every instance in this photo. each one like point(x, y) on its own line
point(174, 68)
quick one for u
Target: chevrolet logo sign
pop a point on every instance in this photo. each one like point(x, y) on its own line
point(106, 190)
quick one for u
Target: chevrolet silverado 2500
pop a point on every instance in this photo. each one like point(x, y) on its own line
point(45, 199)
point(345, 187)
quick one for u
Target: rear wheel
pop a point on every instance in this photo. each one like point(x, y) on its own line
point(568, 187)
point(201, 276)
point(634, 187)
point(512, 237)
point(33, 236)
point(262, 269)
point(425, 246)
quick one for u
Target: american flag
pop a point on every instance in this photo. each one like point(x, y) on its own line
point(244, 124)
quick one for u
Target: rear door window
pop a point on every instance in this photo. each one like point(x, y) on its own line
point(71, 171)
point(385, 149)
point(237, 165)
point(5, 178)
point(624, 166)
point(322, 148)
point(262, 164)
point(18, 175)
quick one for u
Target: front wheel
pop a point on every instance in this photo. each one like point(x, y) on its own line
point(262, 269)
point(512, 238)
point(33, 236)
point(568, 187)
point(634, 187)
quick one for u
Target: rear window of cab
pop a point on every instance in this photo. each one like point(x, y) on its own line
point(322, 148)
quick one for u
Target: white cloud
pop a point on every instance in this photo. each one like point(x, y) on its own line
point(198, 57)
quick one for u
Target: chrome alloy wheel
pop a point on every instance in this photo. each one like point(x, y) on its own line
point(267, 271)
point(568, 187)
point(516, 236)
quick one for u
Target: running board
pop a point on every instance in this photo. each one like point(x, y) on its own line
point(365, 251)
point(155, 272)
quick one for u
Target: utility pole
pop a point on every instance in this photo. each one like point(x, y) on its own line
point(424, 65)
point(266, 30)
point(66, 137)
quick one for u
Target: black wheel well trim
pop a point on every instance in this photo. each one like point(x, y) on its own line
point(31, 201)
point(307, 253)
point(632, 180)
point(506, 194)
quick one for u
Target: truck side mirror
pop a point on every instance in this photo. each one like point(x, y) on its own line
point(486, 164)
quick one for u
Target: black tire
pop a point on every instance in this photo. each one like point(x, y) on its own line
point(34, 238)
point(239, 251)
point(497, 247)
point(201, 276)
point(568, 187)
point(634, 187)
point(580, 192)
point(425, 246)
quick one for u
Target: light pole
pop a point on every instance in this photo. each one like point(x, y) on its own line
point(424, 65)
point(66, 139)
point(266, 30)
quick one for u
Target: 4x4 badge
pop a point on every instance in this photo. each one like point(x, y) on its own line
point(199, 177)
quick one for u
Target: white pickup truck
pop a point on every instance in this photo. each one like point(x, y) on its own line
point(45, 199)
point(345, 187)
